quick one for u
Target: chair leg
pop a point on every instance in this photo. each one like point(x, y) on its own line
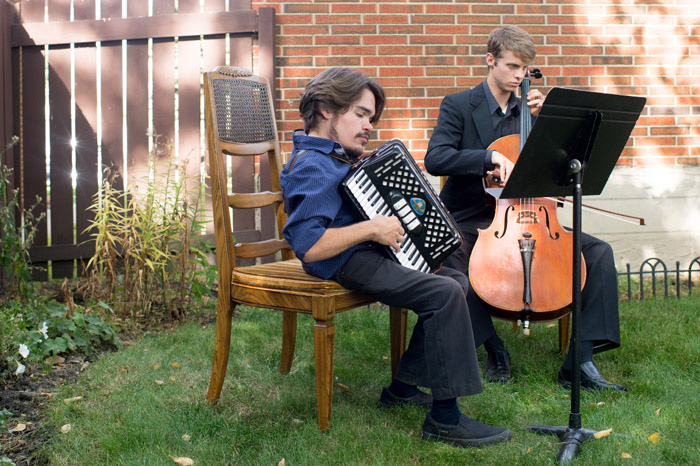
point(324, 347)
point(222, 345)
point(289, 338)
point(397, 332)
point(564, 334)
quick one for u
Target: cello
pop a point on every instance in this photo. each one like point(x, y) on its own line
point(522, 263)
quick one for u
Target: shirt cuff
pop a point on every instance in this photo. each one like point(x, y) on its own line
point(488, 166)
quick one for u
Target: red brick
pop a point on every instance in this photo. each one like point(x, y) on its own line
point(296, 30)
point(493, 9)
point(400, 50)
point(305, 8)
point(337, 19)
point(327, 62)
point(432, 61)
point(404, 71)
point(353, 50)
point(453, 9)
point(376, 39)
point(403, 134)
point(354, 29)
point(396, 29)
point(348, 7)
point(431, 39)
point(388, 8)
point(385, 19)
point(392, 81)
point(336, 39)
point(312, 51)
point(432, 19)
point(397, 60)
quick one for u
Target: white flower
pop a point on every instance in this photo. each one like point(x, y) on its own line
point(20, 369)
point(23, 350)
point(43, 329)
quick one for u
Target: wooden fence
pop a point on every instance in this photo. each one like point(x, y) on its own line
point(88, 83)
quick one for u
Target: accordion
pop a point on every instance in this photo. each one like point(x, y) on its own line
point(389, 182)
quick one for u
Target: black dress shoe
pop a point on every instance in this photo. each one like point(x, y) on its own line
point(467, 432)
point(388, 400)
point(591, 379)
point(498, 368)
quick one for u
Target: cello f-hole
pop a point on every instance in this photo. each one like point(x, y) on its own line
point(549, 229)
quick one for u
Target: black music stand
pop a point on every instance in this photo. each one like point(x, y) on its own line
point(576, 133)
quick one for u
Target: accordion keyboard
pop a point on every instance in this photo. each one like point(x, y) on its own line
point(373, 204)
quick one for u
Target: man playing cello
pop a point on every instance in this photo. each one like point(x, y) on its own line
point(469, 121)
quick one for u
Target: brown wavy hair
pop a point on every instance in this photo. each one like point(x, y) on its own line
point(335, 90)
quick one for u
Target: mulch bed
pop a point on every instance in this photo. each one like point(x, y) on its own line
point(25, 396)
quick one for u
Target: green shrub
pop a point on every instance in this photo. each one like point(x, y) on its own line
point(149, 253)
point(16, 239)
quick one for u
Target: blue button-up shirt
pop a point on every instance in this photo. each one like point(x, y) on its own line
point(315, 200)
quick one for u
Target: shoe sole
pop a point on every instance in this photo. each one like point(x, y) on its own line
point(463, 442)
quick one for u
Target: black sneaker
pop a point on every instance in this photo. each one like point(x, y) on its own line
point(467, 432)
point(389, 400)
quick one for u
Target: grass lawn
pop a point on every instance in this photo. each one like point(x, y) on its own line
point(137, 404)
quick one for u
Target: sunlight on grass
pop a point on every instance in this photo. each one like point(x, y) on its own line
point(127, 417)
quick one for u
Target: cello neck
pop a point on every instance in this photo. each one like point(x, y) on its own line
point(525, 121)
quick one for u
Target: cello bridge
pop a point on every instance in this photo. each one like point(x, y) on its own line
point(527, 217)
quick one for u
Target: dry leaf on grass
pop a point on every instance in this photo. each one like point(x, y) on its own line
point(655, 437)
point(186, 437)
point(658, 411)
point(65, 428)
point(344, 387)
point(175, 365)
point(19, 428)
point(602, 433)
point(182, 460)
point(75, 398)
point(626, 456)
point(159, 382)
point(282, 462)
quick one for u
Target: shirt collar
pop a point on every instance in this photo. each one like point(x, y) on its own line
point(513, 101)
point(303, 141)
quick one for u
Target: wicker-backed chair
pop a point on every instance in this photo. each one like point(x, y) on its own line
point(240, 122)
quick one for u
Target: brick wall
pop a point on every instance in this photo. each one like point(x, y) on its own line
point(420, 51)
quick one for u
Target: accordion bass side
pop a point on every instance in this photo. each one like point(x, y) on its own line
point(389, 182)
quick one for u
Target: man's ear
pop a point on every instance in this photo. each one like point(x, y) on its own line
point(490, 60)
point(326, 113)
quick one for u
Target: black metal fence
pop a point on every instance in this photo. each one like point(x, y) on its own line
point(654, 272)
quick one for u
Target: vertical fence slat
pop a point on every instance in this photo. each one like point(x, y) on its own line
point(33, 161)
point(85, 126)
point(163, 84)
point(137, 103)
point(189, 75)
point(60, 166)
point(111, 99)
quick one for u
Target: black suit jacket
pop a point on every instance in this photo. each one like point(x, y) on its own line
point(457, 148)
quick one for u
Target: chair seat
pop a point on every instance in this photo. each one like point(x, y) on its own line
point(284, 275)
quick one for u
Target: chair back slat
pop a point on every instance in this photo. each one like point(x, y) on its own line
point(253, 200)
point(241, 123)
point(260, 248)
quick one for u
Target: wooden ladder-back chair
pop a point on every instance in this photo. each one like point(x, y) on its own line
point(564, 321)
point(240, 122)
